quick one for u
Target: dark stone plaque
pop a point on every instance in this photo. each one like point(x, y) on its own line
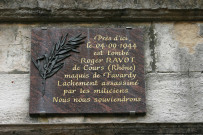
point(106, 76)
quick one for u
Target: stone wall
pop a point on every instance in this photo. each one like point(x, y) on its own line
point(173, 55)
point(173, 66)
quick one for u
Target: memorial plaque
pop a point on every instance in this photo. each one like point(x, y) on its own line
point(87, 70)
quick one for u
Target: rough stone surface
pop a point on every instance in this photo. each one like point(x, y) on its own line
point(104, 129)
point(14, 98)
point(14, 48)
point(100, 4)
point(187, 35)
point(115, 10)
point(196, 92)
point(178, 48)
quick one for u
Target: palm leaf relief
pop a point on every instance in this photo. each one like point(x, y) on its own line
point(48, 65)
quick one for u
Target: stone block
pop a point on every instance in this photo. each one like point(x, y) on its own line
point(166, 49)
point(178, 48)
point(196, 93)
point(14, 59)
point(15, 48)
point(14, 98)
